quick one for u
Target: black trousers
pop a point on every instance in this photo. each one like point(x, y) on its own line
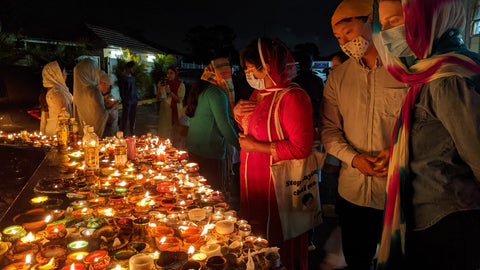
point(452, 243)
point(361, 232)
point(129, 115)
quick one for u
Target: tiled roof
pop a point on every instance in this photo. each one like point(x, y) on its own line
point(117, 39)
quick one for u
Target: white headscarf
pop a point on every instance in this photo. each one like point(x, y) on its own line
point(57, 96)
point(88, 100)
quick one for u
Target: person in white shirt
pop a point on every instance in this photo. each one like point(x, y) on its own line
point(359, 108)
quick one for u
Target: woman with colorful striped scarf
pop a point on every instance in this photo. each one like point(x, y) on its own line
point(432, 210)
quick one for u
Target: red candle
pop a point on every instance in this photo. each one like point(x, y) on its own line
point(55, 231)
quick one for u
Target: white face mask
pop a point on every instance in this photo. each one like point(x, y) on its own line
point(356, 47)
point(255, 83)
point(395, 42)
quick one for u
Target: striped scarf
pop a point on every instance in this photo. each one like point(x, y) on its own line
point(432, 29)
point(219, 73)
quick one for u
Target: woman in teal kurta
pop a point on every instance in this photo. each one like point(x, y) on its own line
point(209, 131)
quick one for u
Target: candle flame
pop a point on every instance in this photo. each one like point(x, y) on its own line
point(79, 257)
point(29, 238)
point(72, 267)
point(205, 230)
point(84, 210)
point(118, 267)
point(163, 240)
point(191, 250)
point(78, 244)
point(28, 259)
point(48, 218)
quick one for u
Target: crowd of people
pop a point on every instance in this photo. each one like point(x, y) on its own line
point(398, 116)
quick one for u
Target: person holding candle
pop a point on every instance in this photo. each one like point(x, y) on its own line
point(54, 95)
point(432, 213)
point(209, 132)
point(270, 68)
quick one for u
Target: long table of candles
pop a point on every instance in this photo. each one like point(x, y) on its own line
point(156, 212)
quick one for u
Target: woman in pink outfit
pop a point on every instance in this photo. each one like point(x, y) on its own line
point(269, 69)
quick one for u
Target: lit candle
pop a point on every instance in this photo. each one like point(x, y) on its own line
point(199, 257)
point(217, 216)
point(30, 238)
point(76, 257)
point(74, 266)
point(38, 200)
point(55, 231)
point(78, 245)
point(97, 260)
point(13, 233)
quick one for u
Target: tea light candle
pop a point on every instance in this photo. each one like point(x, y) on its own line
point(241, 222)
point(199, 257)
point(260, 243)
point(211, 250)
point(244, 230)
point(78, 245)
point(217, 216)
point(141, 262)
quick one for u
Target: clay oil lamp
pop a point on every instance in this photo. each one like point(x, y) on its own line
point(105, 192)
point(52, 203)
point(82, 213)
point(121, 191)
point(107, 171)
point(168, 202)
point(51, 252)
point(260, 243)
point(38, 201)
point(95, 202)
point(96, 223)
point(216, 262)
point(116, 174)
point(191, 167)
point(211, 250)
point(106, 212)
point(244, 230)
point(25, 264)
point(168, 243)
point(20, 250)
point(76, 257)
point(79, 245)
point(55, 231)
point(13, 233)
point(74, 266)
point(160, 230)
point(76, 156)
point(70, 167)
point(171, 259)
point(194, 236)
point(142, 207)
point(165, 187)
point(124, 183)
point(31, 238)
point(87, 233)
point(79, 204)
point(97, 260)
point(122, 256)
point(32, 220)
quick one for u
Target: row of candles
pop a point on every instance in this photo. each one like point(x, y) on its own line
point(175, 181)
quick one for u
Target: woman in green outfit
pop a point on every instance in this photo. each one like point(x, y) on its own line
point(209, 132)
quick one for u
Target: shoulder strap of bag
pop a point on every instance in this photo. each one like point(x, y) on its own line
point(278, 127)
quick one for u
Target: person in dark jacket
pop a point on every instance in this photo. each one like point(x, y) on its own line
point(128, 94)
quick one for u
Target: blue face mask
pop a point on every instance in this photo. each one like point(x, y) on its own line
point(395, 42)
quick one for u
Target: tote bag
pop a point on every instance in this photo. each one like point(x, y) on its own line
point(296, 187)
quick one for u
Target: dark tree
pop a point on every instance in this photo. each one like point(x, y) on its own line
point(207, 43)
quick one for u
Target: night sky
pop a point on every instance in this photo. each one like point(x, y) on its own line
point(167, 22)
